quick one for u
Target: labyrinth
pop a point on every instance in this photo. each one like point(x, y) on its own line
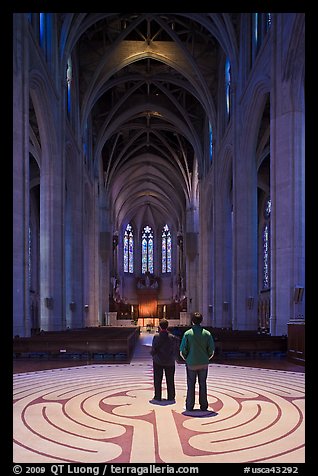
point(103, 413)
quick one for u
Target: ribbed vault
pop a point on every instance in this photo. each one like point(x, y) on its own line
point(148, 88)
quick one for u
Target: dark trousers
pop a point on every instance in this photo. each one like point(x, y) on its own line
point(169, 371)
point(192, 376)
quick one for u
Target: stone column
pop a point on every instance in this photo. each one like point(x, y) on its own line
point(205, 245)
point(287, 182)
point(192, 257)
point(52, 237)
point(21, 308)
point(244, 219)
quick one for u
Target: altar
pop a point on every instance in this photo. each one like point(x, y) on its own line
point(148, 321)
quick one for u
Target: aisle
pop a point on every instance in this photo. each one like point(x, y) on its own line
point(142, 350)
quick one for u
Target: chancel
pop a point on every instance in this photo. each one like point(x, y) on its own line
point(158, 170)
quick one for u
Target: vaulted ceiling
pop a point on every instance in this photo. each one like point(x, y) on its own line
point(148, 86)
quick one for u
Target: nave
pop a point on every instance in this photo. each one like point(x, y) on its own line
point(102, 413)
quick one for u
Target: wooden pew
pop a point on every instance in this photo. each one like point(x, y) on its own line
point(247, 343)
point(92, 343)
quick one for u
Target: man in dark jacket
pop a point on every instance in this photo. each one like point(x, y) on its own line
point(197, 348)
point(164, 350)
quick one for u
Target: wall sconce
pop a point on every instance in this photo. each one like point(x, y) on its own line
point(86, 308)
point(210, 307)
point(225, 306)
point(48, 302)
point(298, 294)
point(72, 306)
point(250, 302)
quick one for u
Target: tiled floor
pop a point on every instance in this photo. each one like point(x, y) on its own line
point(103, 413)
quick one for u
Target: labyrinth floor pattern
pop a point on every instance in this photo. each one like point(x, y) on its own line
point(102, 413)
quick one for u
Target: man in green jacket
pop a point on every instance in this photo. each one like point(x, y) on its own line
point(197, 348)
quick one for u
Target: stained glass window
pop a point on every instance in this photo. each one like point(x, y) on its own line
point(45, 35)
point(42, 28)
point(30, 257)
point(268, 208)
point(268, 21)
point(227, 86)
point(266, 245)
point(69, 78)
point(261, 24)
point(256, 28)
point(129, 249)
point(166, 250)
point(147, 250)
point(266, 257)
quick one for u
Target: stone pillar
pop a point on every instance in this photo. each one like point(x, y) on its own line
point(73, 243)
point(89, 253)
point(222, 270)
point(205, 258)
point(52, 238)
point(95, 316)
point(192, 271)
point(105, 253)
point(21, 308)
point(287, 182)
point(244, 227)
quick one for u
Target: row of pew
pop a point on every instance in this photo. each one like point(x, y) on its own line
point(90, 343)
point(118, 344)
point(242, 343)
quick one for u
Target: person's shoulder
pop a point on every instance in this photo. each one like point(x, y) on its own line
point(173, 337)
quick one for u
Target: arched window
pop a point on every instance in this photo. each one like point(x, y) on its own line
point(45, 35)
point(268, 21)
point(256, 31)
point(261, 23)
point(227, 87)
point(210, 142)
point(266, 244)
point(166, 250)
point(147, 250)
point(30, 256)
point(69, 77)
point(129, 250)
point(42, 30)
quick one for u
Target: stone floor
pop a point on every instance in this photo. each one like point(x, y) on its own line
point(103, 413)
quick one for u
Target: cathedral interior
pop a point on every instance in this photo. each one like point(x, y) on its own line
point(158, 169)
